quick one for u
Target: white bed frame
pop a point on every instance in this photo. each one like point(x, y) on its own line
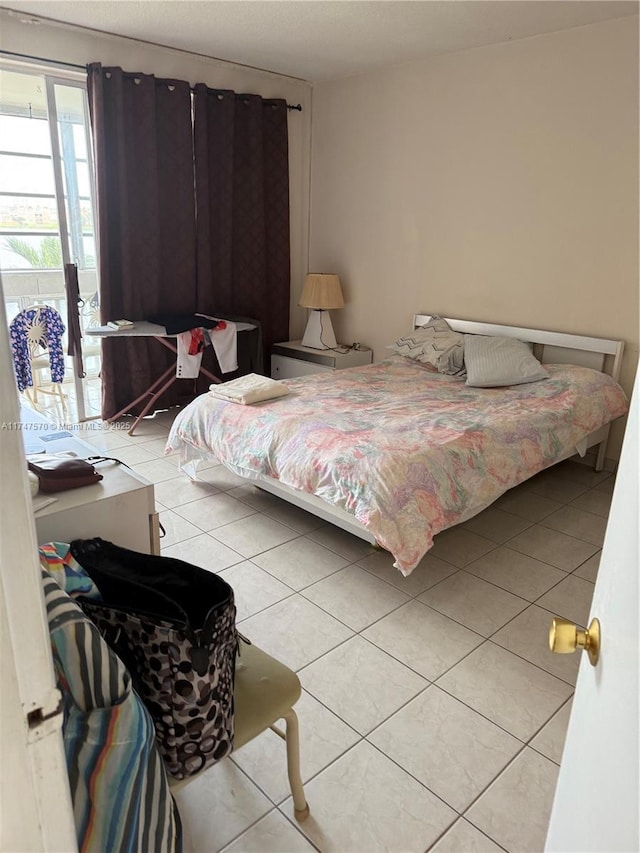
point(550, 347)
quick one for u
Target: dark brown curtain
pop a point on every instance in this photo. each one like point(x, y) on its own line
point(143, 148)
point(242, 204)
point(74, 333)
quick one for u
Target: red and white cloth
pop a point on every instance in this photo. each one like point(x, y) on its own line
point(191, 345)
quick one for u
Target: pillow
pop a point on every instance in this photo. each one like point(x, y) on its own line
point(493, 362)
point(434, 344)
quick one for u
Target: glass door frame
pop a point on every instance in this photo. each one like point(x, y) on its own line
point(58, 165)
point(73, 80)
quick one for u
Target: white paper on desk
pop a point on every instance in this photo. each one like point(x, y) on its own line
point(41, 501)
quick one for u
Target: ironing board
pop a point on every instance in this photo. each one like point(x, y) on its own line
point(145, 329)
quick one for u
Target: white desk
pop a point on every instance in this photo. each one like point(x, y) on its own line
point(144, 329)
point(120, 508)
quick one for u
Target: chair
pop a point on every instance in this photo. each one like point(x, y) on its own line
point(265, 692)
point(35, 331)
point(90, 319)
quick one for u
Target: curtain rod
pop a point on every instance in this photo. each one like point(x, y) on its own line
point(297, 107)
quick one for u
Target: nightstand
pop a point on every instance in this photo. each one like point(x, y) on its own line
point(291, 359)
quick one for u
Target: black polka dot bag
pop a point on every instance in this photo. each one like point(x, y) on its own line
point(173, 626)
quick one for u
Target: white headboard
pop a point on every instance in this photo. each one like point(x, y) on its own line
point(551, 347)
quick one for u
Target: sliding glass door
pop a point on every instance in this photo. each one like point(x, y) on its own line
point(47, 211)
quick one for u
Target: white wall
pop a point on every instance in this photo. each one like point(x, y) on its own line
point(496, 184)
point(81, 46)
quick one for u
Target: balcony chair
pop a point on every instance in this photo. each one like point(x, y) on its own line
point(36, 344)
point(90, 319)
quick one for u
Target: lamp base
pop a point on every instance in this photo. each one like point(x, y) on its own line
point(319, 332)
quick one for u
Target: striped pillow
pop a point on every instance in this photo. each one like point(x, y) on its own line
point(495, 362)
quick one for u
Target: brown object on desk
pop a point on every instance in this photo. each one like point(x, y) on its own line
point(61, 473)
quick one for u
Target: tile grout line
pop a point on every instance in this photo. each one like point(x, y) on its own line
point(412, 597)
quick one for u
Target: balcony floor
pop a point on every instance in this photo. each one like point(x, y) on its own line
point(51, 407)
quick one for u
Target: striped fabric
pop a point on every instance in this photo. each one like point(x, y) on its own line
point(56, 559)
point(119, 788)
point(497, 362)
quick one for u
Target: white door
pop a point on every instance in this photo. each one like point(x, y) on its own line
point(597, 801)
point(35, 804)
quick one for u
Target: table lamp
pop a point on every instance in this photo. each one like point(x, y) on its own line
point(321, 292)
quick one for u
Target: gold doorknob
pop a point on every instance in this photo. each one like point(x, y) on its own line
point(565, 637)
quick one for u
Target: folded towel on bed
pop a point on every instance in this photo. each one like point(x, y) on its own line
point(248, 389)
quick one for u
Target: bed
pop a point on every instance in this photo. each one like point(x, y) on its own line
point(395, 452)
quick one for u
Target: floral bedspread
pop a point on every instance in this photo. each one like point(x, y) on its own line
point(406, 451)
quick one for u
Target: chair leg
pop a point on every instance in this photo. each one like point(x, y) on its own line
point(33, 400)
point(300, 806)
point(61, 401)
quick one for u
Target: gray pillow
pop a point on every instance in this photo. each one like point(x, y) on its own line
point(435, 344)
point(494, 362)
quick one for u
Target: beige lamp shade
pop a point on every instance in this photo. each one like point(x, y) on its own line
point(321, 291)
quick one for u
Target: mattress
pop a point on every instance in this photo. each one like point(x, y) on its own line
point(406, 451)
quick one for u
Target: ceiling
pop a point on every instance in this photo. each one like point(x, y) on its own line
point(319, 40)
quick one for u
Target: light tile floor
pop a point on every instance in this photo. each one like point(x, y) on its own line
point(66, 411)
point(433, 714)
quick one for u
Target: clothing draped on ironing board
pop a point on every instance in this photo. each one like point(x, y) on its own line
point(176, 323)
point(191, 344)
